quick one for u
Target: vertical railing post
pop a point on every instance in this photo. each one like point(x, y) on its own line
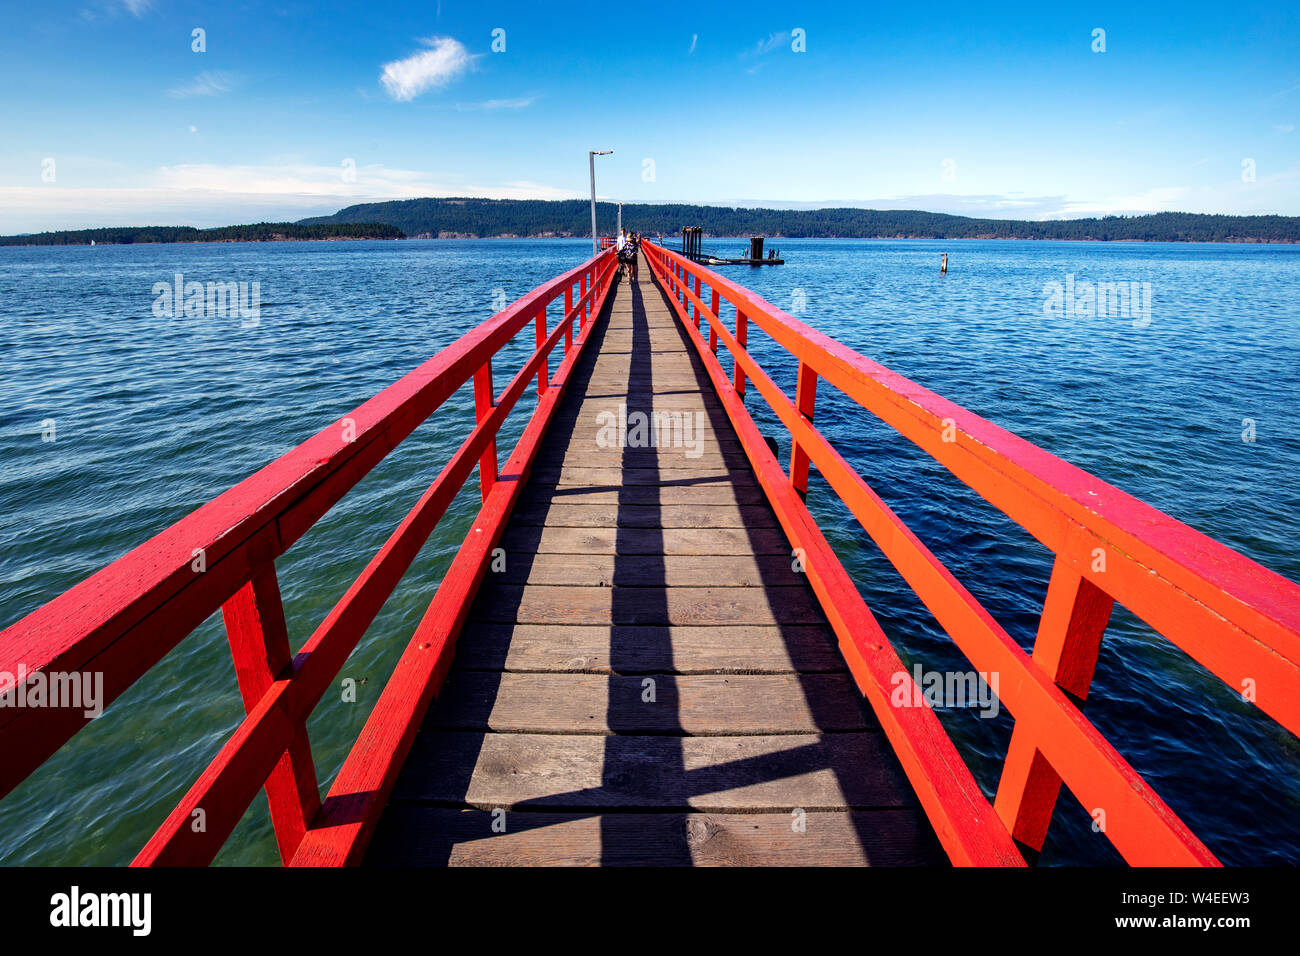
point(697, 295)
point(568, 319)
point(544, 370)
point(805, 400)
point(742, 337)
point(1074, 618)
point(259, 646)
point(484, 401)
point(713, 307)
point(582, 323)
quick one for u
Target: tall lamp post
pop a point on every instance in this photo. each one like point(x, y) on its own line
point(591, 161)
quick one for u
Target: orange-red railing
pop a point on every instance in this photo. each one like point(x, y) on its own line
point(1238, 619)
point(121, 621)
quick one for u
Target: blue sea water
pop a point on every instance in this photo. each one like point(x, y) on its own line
point(152, 416)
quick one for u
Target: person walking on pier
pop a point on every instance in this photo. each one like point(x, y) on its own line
point(626, 254)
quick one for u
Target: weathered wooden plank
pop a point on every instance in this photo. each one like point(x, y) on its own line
point(676, 422)
point(698, 606)
point(589, 454)
point(642, 429)
point(714, 421)
point(627, 343)
point(616, 386)
point(699, 493)
point(648, 403)
point(431, 836)
point(616, 390)
point(617, 477)
point(694, 704)
point(640, 360)
point(645, 540)
point(561, 514)
point(630, 351)
point(647, 570)
point(717, 774)
point(644, 371)
point(637, 377)
point(735, 649)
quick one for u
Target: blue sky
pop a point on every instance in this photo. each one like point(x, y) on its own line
point(110, 117)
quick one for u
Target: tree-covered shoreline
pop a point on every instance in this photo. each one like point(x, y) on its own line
point(253, 232)
point(488, 218)
point(537, 218)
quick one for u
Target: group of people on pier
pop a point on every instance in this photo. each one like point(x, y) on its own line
point(628, 244)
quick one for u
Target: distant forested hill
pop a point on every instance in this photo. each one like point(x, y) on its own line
point(535, 217)
point(256, 232)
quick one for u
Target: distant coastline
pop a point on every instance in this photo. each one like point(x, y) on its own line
point(571, 219)
point(253, 232)
point(526, 218)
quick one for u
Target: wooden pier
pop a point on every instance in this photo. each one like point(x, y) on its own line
point(647, 651)
point(647, 680)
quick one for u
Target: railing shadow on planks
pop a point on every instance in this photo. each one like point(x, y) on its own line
point(1235, 617)
point(122, 620)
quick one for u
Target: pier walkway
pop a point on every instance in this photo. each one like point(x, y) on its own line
point(647, 680)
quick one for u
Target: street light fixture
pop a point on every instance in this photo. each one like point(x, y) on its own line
point(591, 161)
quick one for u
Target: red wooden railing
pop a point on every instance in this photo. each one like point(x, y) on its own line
point(121, 621)
point(1239, 620)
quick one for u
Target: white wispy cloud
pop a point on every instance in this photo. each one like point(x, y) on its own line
point(315, 181)
point(1156, 199)
point(695, 38)
point(756, 54)
point(207, 83)
point(515, 103)
point(435, 67)
point(137, 7)
point(763, 47)
point(1284, 128)
point(1278, 193)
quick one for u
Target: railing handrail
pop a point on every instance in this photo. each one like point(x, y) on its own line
point(123, 619)
point(1239, 619)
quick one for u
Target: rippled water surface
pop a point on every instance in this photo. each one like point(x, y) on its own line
point(154, 416)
